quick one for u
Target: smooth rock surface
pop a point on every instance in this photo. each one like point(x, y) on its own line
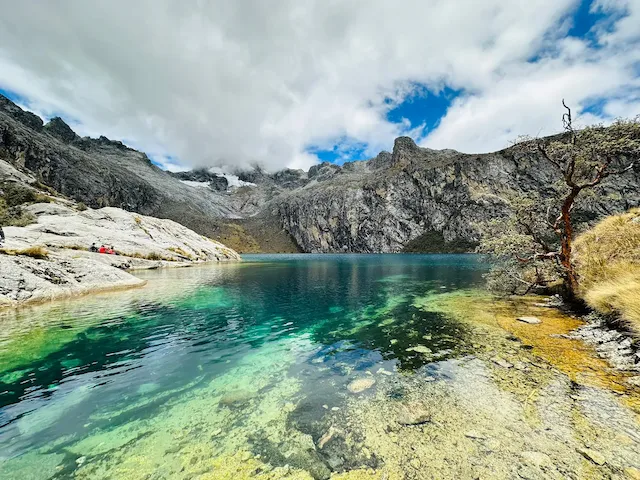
point(69, 269)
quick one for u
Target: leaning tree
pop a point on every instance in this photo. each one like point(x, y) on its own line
point(534, 245)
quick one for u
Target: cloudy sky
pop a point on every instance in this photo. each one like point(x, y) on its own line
point(288, 83)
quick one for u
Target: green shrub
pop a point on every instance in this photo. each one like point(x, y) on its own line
point(15, 194)
point(14, 216)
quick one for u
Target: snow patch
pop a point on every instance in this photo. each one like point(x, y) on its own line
point(233, 180)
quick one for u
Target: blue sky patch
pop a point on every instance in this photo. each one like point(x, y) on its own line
point(424, 107)
point(584, 19)
point(345, 150)
point(14, 97)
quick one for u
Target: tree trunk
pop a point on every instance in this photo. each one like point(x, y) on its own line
point(570, 276)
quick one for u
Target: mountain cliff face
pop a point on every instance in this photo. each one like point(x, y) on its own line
point(411, 199)
point(102, 172)
point(397, 199)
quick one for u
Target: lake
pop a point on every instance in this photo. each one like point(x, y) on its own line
point(307, 366)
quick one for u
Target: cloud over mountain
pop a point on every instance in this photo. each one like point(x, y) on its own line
point(244, 82)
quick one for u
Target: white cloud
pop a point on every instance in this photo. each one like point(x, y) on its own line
point(245, 82)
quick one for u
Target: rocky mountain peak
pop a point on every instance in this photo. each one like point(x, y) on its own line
point(404, 148)
point(323, 171)
point(59, 129)
point(28, 119)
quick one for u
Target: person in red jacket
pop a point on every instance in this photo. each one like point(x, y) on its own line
point(102, 249)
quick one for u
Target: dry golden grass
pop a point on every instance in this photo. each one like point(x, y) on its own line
point(608, 262)
point(38, 252)
point(147, 256)
point(181, 252)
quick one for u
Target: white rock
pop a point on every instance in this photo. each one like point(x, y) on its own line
point(530, 320)
point(70, 269)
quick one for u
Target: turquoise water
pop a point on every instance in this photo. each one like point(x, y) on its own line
point(121, 349)
point(263, 357)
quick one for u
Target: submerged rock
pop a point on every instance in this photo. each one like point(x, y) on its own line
point(413, 417)
point(419, 349)
point(360, 385)
point(236, 398)
point(326, 438)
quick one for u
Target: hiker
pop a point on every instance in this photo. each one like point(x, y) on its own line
point(102, 249)
point(93, 248)
point(1, 236)
point(110, 250)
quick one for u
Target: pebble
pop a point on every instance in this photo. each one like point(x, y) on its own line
point(529, 320)
point(475, 435)
point(217, 432)
point(501, 362)
point(537, 459)
point(81, 460)
point(593, 455)
point(326, 407)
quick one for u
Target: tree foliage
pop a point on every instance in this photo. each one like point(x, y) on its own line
point(534, 245)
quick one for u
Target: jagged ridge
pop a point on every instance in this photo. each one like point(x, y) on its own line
point(413, 197)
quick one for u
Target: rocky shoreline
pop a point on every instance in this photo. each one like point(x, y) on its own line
point(50, 259)
point(616, 346)
point(611, 341)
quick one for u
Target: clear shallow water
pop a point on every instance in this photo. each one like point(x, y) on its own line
point(261, 358)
